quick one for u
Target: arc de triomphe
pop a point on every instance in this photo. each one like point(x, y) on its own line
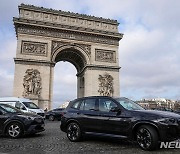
point(46, 36)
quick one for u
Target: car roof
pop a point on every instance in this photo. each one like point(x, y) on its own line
point(92, 97)
point(14, 99)
point(99, 97)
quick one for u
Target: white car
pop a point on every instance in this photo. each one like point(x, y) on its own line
point(25, 105)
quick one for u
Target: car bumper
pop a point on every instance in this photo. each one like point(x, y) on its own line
point(63, 124)
point(35, 129)
point(169, 132)
point(41, 114)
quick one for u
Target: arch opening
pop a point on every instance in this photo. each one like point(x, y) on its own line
point(73, 56)
point(70, 56)
point(64, 83)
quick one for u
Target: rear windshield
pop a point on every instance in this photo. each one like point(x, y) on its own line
point(30, 105)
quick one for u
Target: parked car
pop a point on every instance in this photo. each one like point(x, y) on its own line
point(119, 117)
point(16, 123)
point(54, 114)
point(23, 104)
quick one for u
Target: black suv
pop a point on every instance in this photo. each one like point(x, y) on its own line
point(15, 123)
point(119, 117)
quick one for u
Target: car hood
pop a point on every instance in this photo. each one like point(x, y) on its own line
point(37, 110)
point(164, 114)
point(27, 114)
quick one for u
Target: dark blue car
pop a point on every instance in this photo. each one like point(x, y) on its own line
point(54, 114)
point(119, 117)
point(15, 123)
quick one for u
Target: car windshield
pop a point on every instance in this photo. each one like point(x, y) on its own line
point(129, 104)
point(9, 108)
point(30, 105)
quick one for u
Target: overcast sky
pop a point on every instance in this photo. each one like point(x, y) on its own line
point(149, 52)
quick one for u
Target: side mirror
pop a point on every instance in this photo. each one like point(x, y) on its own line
point(22, 108)
point(115, 109)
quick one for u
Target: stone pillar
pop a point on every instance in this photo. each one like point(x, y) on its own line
point(101, 82)
point(32, 85)
point(80, 86)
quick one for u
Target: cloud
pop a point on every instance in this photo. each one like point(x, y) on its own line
point(6, 83)
point(150, 64)
point(148, 53)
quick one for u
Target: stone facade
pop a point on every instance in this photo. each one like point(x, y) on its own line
point(46, 36)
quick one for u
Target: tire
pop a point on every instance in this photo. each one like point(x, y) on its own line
point(14, 130)
point(74, 132)
point(51, 118)
point(147, 137)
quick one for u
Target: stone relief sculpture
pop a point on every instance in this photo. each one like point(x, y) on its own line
point(32, 83)
point(34, 48)
point(106, 85)
point(105, 55)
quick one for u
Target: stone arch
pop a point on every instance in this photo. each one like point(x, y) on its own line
point(46, 36)
point(73, 54)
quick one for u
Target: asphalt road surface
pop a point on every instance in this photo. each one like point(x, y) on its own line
point(54, 141)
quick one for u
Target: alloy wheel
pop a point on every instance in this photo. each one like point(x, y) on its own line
point(144, 138)
point(14, 130)
point(51, 118)
point(73, 132)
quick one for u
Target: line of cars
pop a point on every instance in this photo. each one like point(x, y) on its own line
point(99, 116)
point(20, 116)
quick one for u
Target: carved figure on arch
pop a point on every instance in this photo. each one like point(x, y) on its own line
point(32, 83)
point(106, 85)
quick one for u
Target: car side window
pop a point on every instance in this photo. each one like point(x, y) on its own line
point(19, 106)
point(76, 105)
point(88, 105)
point(105, 105)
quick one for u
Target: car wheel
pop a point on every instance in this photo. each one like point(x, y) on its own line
point(14, 130)
point(51, 118)
point(74, 132)
point(147, 137)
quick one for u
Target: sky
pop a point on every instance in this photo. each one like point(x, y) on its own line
point(149, 53)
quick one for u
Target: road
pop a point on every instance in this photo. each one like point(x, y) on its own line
point(54, 141)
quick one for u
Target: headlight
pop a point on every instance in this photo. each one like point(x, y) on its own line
point(27, 117)
point(32, 112)
point(167, 120)
point(31, 118)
